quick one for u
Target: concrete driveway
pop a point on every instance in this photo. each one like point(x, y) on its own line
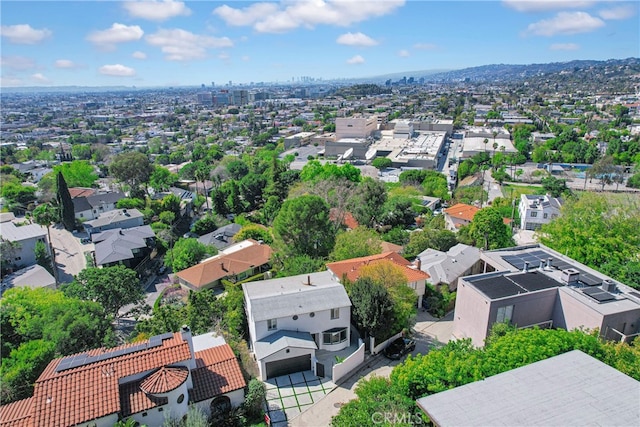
point(70, 259)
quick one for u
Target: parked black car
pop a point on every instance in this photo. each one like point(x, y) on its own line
point(399, 347)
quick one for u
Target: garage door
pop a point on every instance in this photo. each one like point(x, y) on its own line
point(288, 366)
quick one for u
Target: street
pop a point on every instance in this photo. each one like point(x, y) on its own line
point(70, 258)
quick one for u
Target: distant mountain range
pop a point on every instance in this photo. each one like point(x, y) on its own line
point(497, 73)
point(503, 72)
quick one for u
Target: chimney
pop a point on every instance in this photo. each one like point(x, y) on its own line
point(526, 267)
point(186, 336)
point(418, 263)
point(541, 267)
point(549, 263)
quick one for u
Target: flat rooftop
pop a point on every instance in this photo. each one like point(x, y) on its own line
point(513, 284)
point(572, 389)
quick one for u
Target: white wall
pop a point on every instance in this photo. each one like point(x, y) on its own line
point(379, 347)
point(236, 397)
point(349, 364)
point(282, 354)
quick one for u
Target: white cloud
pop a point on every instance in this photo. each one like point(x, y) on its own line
point(24, 34)
point(246, 58)
point(139, 55)
point(355, 60)
point(564, 46)
point(245, 16)
point(118, 33)
point(156, 10)
point(545, 5)
point(65, 63)
point(40, 78)
point(18, 63)
point(425, 46)
point(356, 39)
point(181, 45)
point(224, 56)
point(287, 15)
point(404, 53)
point(616, 13)
point(6, 81)
point(117, 70)
point(565, 23)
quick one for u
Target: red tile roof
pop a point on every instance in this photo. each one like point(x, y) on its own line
point(462, 211)
point(16, 414)
point(351, 267)
point(217, 372)
point(165, 379)
point(92, 391)
point(347, 218)
point(225, 265)
point(81, 192)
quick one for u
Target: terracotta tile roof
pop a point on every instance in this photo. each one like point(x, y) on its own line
point(462, 211)
point(16, 414)
point(225, 265)
point(134, 400)
point(217, 372)
point(165, 379)
point(347, 218)
point(84, 393)
point(351, 267)
point(81, 192)
point(391, 247)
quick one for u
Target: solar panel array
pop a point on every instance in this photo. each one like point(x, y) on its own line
point(598, 294)
point(83, 359)
point(535, 257)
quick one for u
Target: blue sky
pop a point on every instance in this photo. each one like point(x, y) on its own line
point(170, 43)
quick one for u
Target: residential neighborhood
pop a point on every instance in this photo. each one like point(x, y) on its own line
point(248, 254)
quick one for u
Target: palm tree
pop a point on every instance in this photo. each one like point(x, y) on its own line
point(47, 215)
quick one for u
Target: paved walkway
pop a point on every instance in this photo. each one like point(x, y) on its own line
point(289, 395)
point(70, 259)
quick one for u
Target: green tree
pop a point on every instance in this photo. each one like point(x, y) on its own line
point(372, 307)
point(67, 211)
point(78, 173)
point(132, 167)
point(304, 227)
point(419, 240)
point(22, 368)
point(381, 163)
point(254, 400)
point(300, 264)
point(488, 230)
point(46, 215)
point(161, 179)
point(205, 225)
point(15, 193)
point(355, 243)
point(112, 287)
point(187, 252)
point(634, 181)
point(42, 257)
point(255, 232)
point(368, 202)
point(555, 186)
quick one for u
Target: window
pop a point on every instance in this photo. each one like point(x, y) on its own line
point(181, 398)
point(545, 215)
point(534, 214)
point(334, 336)
point(413, 285)
point(504, 314)
point(81, 215)
point(335, 313)
point(272, 324)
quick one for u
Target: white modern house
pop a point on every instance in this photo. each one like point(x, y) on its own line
point(91, 207)
point(537, 210)
point(24, 238)
point(290, 318)
point(119, 218)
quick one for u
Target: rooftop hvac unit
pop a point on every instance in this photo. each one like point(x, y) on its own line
point(608, 285)
point(570, 276)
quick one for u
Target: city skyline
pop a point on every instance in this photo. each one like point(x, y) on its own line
point(170, 43)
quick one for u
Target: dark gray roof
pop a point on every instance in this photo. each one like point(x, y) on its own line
point(106, 198)
point(283, 339)
point(222, 237)
point(81, 204)
point(572, 389)
point(117, 244)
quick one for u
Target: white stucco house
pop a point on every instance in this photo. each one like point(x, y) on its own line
point(537, 210)
point(24, 239)
point(290, 318)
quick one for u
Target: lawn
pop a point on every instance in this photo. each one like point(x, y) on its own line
point(514, 190)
